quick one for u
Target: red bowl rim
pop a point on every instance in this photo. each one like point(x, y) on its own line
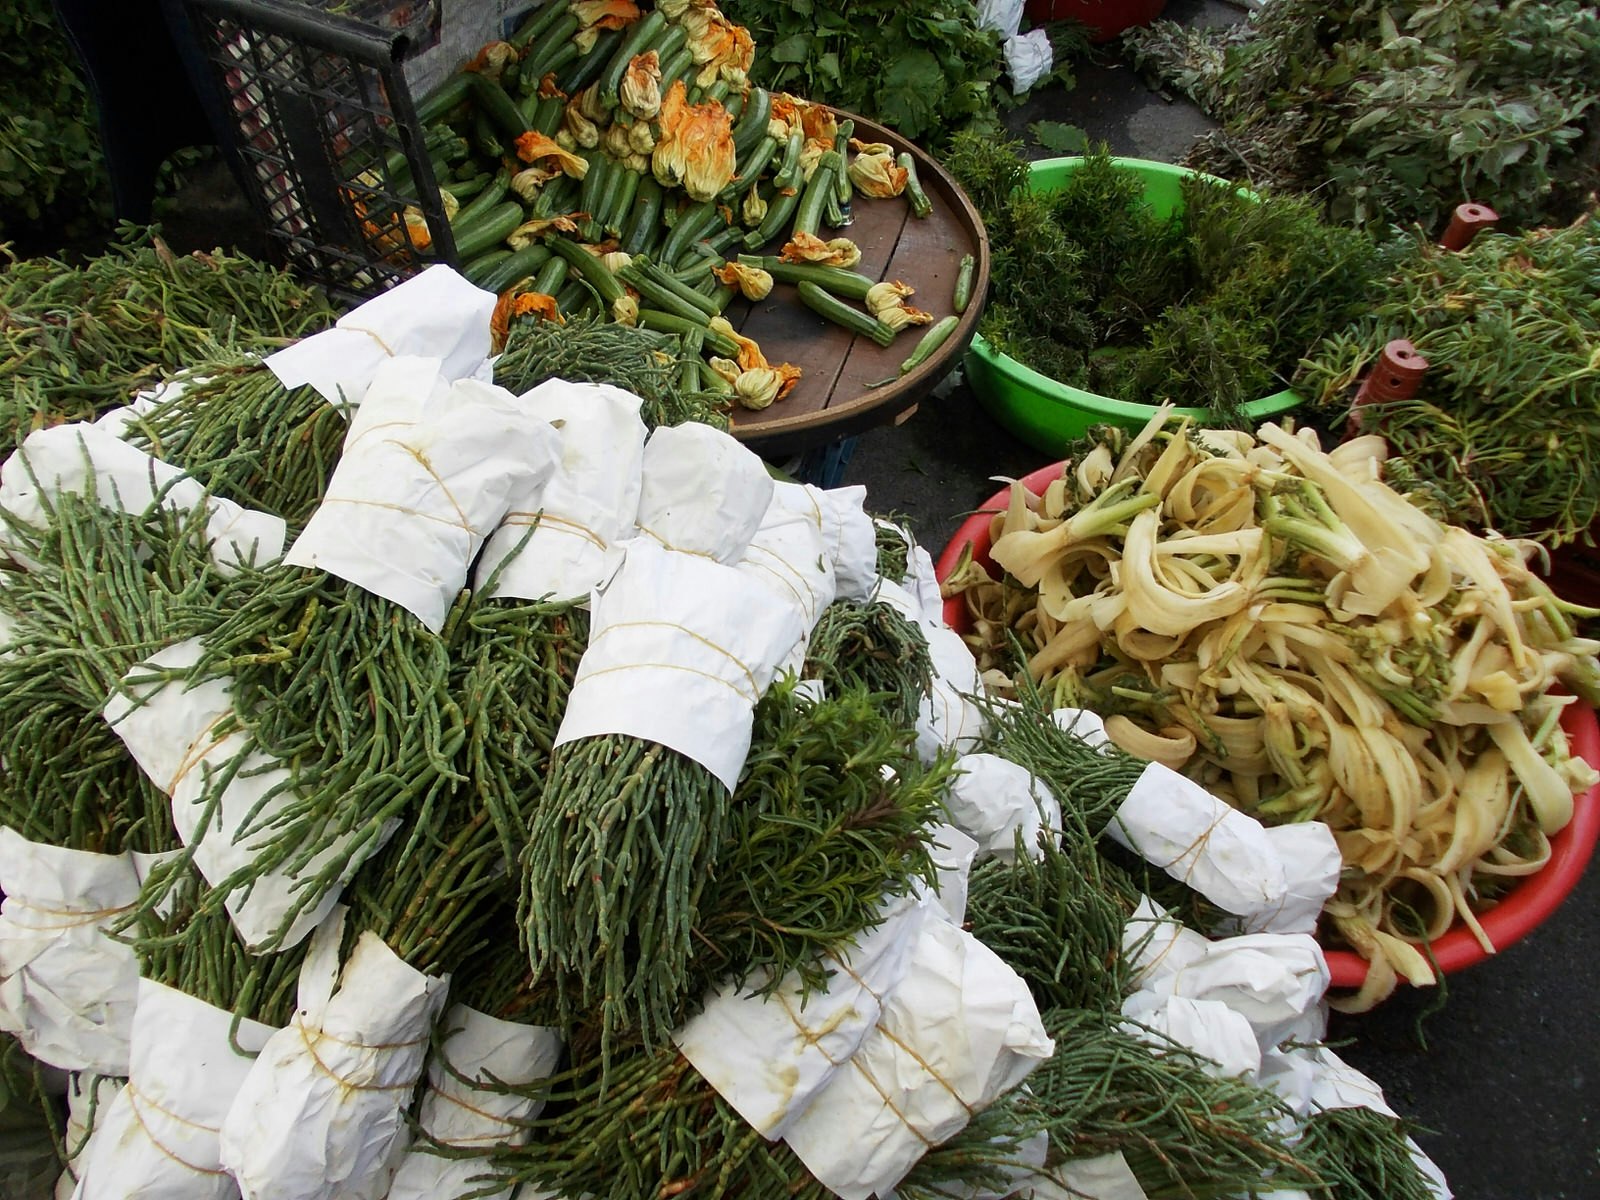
point(1522, 910)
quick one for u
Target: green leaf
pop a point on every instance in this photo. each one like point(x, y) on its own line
point(795, 48)
point(1059, 138)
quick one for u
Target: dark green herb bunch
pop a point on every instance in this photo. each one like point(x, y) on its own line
point(1505, 430)
point(1210, 306)
point(830, 819)
point(1396, 112)
point(925, 70)
point(870, 645)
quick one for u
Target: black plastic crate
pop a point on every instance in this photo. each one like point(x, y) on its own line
point(325, 132)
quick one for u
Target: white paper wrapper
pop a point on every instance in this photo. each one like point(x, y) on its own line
point(994, 799)
point(454, 1112)
point(947, 717)
point(428, 472)
point(1156, 945)
point(1082, 724)
point(959, 1030)
point(1311, 864)
point(702, 491)
point(788, 556)
point(82, 459)
point(1175, 824)
point(851, 537)
point(321, 1115)
point(1336, 1084)
point(1208, 1027)
point(171, 733)
point(159, 1140)
point(769, 1056)
point(89, 1098)
point(1273, 980)
point(67, 990)
point(116, 421)
point(1020, 1174)
point(680, 649)
point(588, 506)
point(436, 314)
point(1107, 1177)
point(953, 853)
point(1002, 16)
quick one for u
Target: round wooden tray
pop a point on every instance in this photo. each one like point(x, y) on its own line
point(833, 399)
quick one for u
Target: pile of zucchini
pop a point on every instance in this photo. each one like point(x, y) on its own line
point(545, 168)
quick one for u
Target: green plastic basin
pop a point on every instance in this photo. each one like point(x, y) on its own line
point(1047, 413)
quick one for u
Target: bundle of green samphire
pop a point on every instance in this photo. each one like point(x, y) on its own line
point(1395, 113)
point(1502, 435)
point(76, 340)
point(1279, 623)
point(616, 160)
point(1213, 305)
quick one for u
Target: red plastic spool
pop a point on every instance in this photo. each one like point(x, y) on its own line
point(1522, 910)
point(1466, 223)
point(1105, 18)
point(1397, 375)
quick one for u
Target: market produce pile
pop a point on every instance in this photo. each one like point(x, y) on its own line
point(546, 796)
point(1281, 625)
point(614, 158)
point(1394, 112)
point(1504, 431)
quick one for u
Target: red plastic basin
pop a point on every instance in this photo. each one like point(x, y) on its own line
point(1522, 910)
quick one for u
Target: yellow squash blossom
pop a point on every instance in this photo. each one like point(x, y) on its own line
point(625, 310)
point(722, 49)
point(548, 89)
point(493, 59)
point(753, 283)
point(595, 15)
point(754, 208)
point(809, 248)
point(514, 303)
point(888, 294)
point(726, 368)
point(535, 149)
point(760, 386)
point(749, 355)
point(695, 147)
point(898, 316)
point(532, 231)
point(874, 171)
point(641, 86)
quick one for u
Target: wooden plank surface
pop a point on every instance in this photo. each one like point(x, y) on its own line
point(833, 398)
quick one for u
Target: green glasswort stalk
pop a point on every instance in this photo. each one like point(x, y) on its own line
point(352, 694)
point(245, 436)
point(1183, 1131)
point(107, 590)
point(1362, 1155)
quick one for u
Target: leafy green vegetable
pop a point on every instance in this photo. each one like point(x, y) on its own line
point(925, 70)
point(1396, 112)
point(51, 170)
point(1211, 307)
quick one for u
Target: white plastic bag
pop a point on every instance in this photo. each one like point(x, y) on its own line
point(769, 1056)
point(1029, 57)
point(171, 731)
point(322, 1113)
point(158, 1140)
point(454, 1112)
point(1175, 824)
point(680, 649)
point(436, 314)
point(67, 989)
point(959, 1030)
point(428, 471)
point(1002, 16)
point(702, 491)
point(80, 459)
point(994, 799)
point(585, 510)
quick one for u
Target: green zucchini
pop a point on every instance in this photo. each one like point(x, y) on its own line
point(830, 307)
point(484, 232)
